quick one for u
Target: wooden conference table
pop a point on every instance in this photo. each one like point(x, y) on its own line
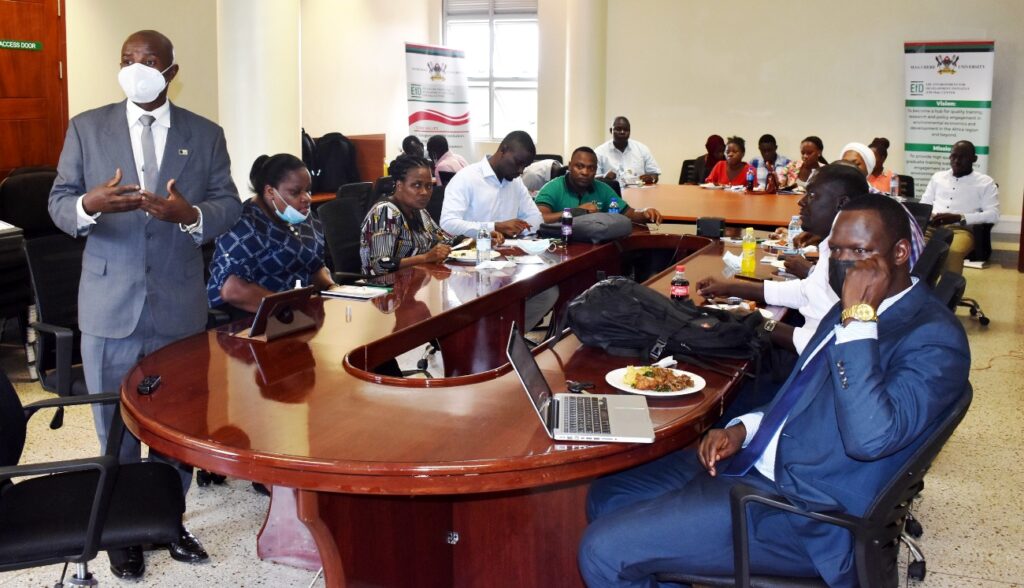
point(427, 482)
point(686, 203)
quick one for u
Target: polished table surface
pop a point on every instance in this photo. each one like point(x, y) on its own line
point(687, 203)
point(308, 411)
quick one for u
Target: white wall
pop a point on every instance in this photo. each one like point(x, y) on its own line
point(684, 70)
point(96, 30)
point(353, 64)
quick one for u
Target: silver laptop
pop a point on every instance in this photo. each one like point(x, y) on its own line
point(579, 417)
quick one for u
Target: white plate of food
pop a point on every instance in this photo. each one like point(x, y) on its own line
point(655, 381)
point(468, 255)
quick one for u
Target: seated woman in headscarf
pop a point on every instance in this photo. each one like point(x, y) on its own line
point(800, 171)
point(879, 177)
point(274, 243)
point(860, 155)
point(732, 171)
point(715, 147)
point(398, 232)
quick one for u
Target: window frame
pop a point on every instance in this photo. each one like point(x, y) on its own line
point(491, 81)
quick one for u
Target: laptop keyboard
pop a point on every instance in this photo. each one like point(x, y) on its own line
point(586, 414)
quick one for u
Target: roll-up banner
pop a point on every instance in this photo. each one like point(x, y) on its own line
point(948, 99)
point(438, 96)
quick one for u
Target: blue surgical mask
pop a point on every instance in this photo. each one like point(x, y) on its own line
point(290, 214)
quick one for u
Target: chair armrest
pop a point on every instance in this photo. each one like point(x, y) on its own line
point(743, 495)
point(65, 341)
point(110, 398)
point(216, 318)
point(107, 466)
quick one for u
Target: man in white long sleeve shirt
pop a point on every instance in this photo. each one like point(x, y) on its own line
point(885, 368)
point(624, 159)
point(490, 193)
point(961, 197)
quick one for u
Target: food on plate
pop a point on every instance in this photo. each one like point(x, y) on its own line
point(658, 379)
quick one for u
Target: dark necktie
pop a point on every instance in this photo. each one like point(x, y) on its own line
point(150, 167)
point(776, 416)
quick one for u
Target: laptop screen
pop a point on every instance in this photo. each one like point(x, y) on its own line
point(525, 365)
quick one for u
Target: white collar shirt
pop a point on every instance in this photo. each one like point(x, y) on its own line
point(812, 297)
point(636, 160)
point(476, 198)
point(160, 126)
point(975, 196)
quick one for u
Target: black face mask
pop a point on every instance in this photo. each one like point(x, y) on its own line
point(837, 269)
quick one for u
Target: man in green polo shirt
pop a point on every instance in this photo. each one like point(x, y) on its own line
point(578, 190)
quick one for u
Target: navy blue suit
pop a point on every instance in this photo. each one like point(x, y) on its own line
point(857, 423)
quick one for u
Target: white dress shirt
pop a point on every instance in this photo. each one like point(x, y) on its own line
point(476, 198)
point(537, 174)
point(855, 331)
point(975, 196)
point(636, 160)
point(812, 296)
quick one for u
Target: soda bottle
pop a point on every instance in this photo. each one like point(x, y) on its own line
point(750, 179)
point(566, 225)
point(680, 289)
point(483, 244)
point(795, 228)
point(613, 206)
point(748, 259)
point(894, 186)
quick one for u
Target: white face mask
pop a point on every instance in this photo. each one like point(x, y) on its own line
point(141, 83)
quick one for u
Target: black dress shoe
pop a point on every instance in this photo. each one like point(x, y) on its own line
point(127, 563)
point(187, 548)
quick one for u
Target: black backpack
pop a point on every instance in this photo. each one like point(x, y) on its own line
point(335, 160)
point(626, 318)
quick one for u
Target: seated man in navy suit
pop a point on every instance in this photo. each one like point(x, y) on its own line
point(883, 368)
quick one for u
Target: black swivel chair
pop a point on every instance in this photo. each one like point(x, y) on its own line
point(342, 219)
point(688, 172)
point(877, 534)
point(932, 260)
point(382, 188)
point(950, 289)
point(361, 191)
point(445, 177)
point(906, 186)
point(613, 184)
point(922, 213)
point(70, 510)
point(436, 203)
point(542, 156)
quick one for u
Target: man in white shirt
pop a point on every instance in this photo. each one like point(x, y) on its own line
point(490, 193)
point(961, 197)
point(829, 189)
point(624, 159)
point(539, 173)
point(885, 367)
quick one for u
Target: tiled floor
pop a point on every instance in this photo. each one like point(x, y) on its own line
point(972, 509)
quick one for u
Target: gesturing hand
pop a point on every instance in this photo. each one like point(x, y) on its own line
point(173, 209)
point(720, 444)
point(111, 197)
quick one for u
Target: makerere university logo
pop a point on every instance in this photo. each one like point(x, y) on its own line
point(437, 71)
point(947, 64)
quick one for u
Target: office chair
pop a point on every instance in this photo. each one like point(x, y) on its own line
point(361, 191)
point(436, 203)
point(979, 255)
point(382, 188)
point(688, 172)
point(445, 177)
point(930, 264)
point(877, 534)
point(70, 510)
point(614, 184)
point(950, 289)
point(542, 156)
point(342, 219)
point(906, 186)
point(922, 213)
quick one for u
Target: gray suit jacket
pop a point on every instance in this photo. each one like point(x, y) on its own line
point(132, 260)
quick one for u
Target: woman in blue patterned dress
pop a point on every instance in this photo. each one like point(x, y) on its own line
point(275, 242)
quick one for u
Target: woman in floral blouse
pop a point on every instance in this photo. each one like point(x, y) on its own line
point(799, 171)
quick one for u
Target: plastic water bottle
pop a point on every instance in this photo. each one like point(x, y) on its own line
point(566, 225)
point(613, 206)
point(750, 179)
point(748, 260)
point(894, 186)
point(483, 245)
point(795, 228)
point(680, 289)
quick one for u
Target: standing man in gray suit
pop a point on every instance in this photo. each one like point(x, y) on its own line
point(148, 183)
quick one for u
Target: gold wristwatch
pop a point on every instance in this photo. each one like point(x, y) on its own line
point(859, 312)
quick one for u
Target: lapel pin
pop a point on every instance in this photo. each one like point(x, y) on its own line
point(182, 151)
